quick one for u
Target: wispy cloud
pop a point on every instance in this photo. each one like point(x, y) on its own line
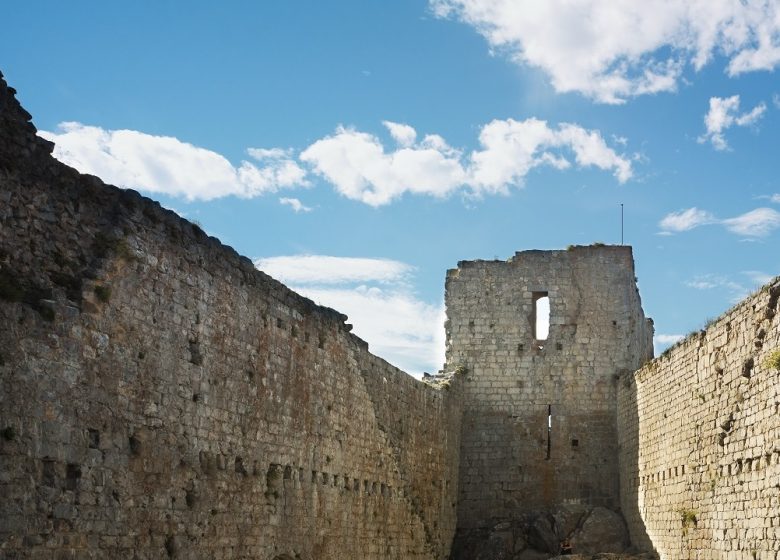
point(757, 277)
point(669, 338)
point(663, 341)
point(774, 198)
point(756, 223)
point(622, 140)
point(737, 288)
point(163, 164)
point(295, 204)
point(685, 220)
point(722, 115)
point(610, 51)
point(377, 296)
point(713, 281)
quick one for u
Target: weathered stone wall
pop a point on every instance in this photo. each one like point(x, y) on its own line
point(510, 462)
point(159, 397)
point(700, 440)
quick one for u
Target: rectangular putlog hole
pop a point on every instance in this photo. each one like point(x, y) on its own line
point(72, 476)
point(93, 438)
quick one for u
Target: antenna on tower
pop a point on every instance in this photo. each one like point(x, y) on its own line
point(621, 223)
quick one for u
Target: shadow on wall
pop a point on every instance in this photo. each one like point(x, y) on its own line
point(628, 439)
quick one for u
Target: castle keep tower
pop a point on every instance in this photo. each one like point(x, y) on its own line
point(539, 420)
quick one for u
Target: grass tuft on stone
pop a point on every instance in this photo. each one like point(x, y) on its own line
point(688, 518)
point(103, 293)
point(773, 360)
point(104, 245)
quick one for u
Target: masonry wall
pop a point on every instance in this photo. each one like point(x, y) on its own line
point(700, 440)
point(159, 397)
point(597, 331)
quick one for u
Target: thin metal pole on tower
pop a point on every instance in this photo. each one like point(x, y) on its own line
point(621, 223)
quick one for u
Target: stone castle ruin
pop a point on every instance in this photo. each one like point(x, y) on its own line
point(162, 398)
point(539, 428)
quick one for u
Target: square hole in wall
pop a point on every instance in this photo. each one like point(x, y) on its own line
point(93, 437)
point(575, 442)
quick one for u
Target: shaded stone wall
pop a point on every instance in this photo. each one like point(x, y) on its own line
point(700, 440)
point(159, 397)
point(513, 458)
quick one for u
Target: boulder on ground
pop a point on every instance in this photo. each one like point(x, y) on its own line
point(531, 554)
point(499, 546)
point(567, 517)
point(602, 531)
point(609, 556)
point(541, 535)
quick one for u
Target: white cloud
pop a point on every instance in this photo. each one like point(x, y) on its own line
point(722, 115)
point(669, 338)
point(751, 116)
point(663, 341)
point(404, 134)
point(776, 100)
point(508, 152)
point(775, 198)
point(685, 220)
point(377, 297)
point(714, 281)
point(163, 164)
point(512, 148)
point(356, 163)
point(295, 204)
point(590, 149)
point(610, 51)
point(269, 153)
point(402, 329)
point(756, 223)
point(324, 269)
point(360, 168)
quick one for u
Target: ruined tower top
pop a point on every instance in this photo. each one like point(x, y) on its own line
point(543, 337)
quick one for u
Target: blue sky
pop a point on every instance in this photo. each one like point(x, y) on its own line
point(358, 149)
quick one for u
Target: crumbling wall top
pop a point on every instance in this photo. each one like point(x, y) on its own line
point(19, 140)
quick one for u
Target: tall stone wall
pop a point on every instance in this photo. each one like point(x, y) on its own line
point(539, 420)
point(700, 440)
point(161, 398)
